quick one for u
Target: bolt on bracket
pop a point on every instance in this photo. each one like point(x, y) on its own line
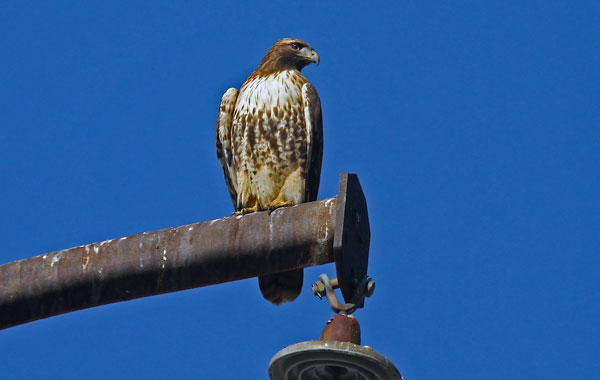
point(324, 287)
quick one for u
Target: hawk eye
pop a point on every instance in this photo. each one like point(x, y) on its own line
point(296, 46)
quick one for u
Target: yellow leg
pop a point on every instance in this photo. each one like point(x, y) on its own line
point(248, 210)
point(277, 203)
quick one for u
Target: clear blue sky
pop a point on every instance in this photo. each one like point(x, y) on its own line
point(474, 128)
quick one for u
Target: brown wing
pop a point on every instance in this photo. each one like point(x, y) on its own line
point(314, 136)
point(224, 143)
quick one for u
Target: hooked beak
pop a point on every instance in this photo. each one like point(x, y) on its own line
point(312, 55)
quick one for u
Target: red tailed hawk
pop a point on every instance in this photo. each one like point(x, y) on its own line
point(270, 144)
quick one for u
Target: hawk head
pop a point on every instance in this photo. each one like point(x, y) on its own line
point(288, 54)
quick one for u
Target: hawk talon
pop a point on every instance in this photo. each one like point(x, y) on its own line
point(247, 210)
point(278, 204)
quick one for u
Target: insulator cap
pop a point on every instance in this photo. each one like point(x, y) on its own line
point(343, 328)
point(317, 359)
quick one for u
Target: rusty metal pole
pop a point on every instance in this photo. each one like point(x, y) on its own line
point(168, 260)
point(194, 255)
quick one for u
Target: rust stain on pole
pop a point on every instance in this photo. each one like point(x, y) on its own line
point(172, 259)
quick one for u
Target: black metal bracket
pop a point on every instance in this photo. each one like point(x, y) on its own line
point(352, 238)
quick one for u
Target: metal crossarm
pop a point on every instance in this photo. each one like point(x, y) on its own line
point(172, 259)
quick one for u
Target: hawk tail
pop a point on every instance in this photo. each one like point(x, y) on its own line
point(281, 287)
